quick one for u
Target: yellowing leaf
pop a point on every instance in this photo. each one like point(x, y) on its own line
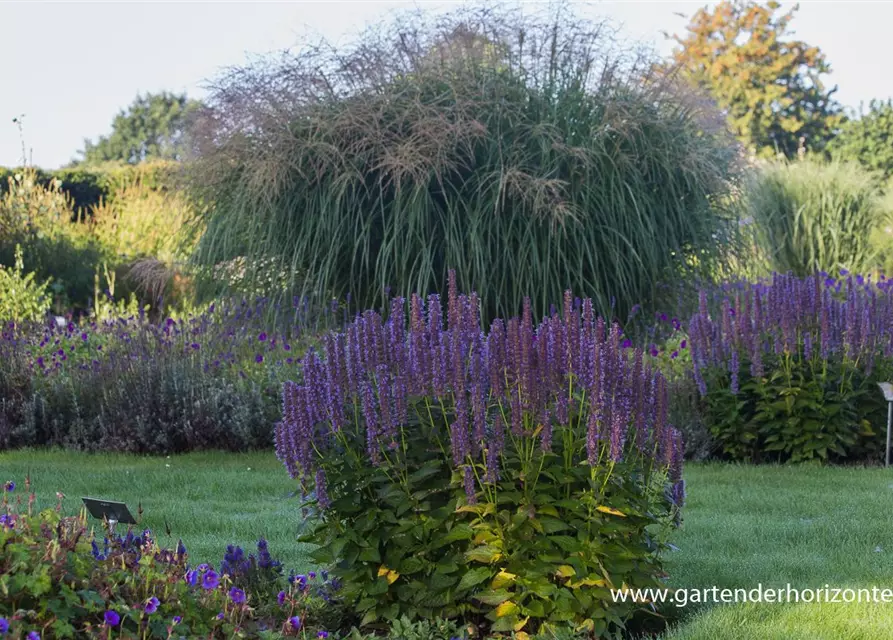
point(613, 512)
point(480, 509)
point(522, 635)
point(507, 608)
point(586, 582)
point(566, 571)
point(520, 625)
point(389, 574)
point(502, 579)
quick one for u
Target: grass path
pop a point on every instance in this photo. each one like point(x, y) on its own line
point(744, 526)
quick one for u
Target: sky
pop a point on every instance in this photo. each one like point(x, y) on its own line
point(70, 67)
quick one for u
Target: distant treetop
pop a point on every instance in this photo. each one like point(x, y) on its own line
point(154, 126)
point(769, 84)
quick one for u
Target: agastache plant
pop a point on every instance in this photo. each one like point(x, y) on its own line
point(515, 384)
point(787, 367)
point(817, 317)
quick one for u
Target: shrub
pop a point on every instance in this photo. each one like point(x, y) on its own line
point(788, 369)
point(59, 581)
point(507, 478)
point(87, 186)
point(39, 218)
point(21, 298)
point(813, 216)
point(529, 155)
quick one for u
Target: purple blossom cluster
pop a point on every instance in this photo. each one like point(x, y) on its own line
point(516, 380)
point(816, 317)
point(224, 337)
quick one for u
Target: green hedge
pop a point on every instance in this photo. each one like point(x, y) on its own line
point(87, 185)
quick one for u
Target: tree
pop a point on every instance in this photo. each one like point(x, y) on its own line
point(769, 85)
point(154, 126)
point(868, 139)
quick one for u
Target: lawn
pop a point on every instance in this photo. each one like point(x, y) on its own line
point(209, 500)
point(807, 526)
point(744, 525)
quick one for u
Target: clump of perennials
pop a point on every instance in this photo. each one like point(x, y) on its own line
point(788, 368)
point(438, 451)
point(130, 586)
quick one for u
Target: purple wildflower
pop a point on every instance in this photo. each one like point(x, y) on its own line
point(210, 580)
point(151, 605)
point(237, 595)
point(112, 618)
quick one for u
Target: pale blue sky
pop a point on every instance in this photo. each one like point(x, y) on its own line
point(71, 66)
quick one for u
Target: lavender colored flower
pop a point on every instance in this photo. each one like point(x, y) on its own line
point(177, 620)
point(33, 635)
point(237, 595)
point(280, 598)
point(210, 580)
point(295, 623)
point(322, 494)
point(151, 605)
point(112, 618)
point(470, 494)
point(4, 625)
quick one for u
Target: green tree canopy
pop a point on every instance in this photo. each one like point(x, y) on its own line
point(153, 126)
point(868, 139)
point(769, 85)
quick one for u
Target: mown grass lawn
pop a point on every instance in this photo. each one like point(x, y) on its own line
point(807, 526)
point(209, 500)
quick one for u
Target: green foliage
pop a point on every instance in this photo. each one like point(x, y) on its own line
point(524, 153)
point(154, 126)
point(539, 550)
point(814, 216)
point(801, 410)
point(868, 139)
point(140, 229)
point(58, 579)
point(770, 85)
point(21, 298)
point(406, 629)
point(87, 186)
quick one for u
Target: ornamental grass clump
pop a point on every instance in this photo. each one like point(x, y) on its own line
point(530, 152)
point(787, 368)
point(508, 477)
